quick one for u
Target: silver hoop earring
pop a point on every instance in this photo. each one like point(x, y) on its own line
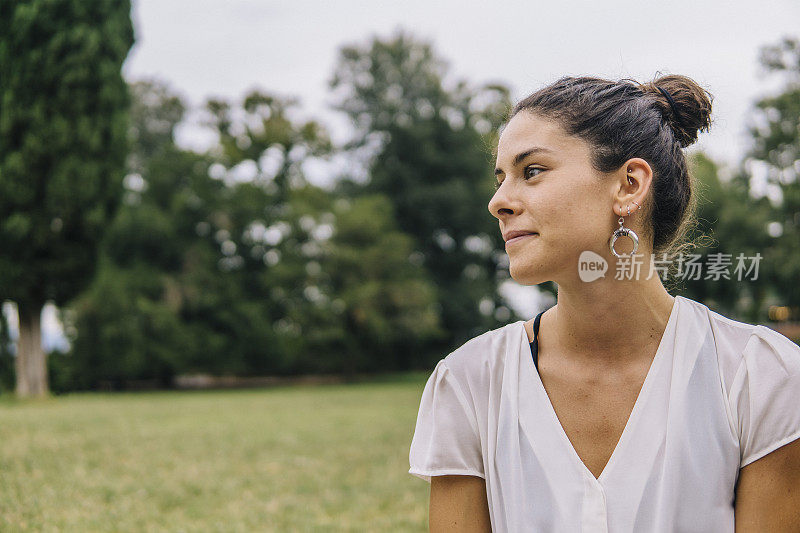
point(622, 231)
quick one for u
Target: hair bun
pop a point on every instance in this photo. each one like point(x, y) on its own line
point(691, 112)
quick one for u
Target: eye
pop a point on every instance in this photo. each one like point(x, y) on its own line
point(526, 172)
point(529, 168)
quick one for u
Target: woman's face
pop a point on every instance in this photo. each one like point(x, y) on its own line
point(554, 192)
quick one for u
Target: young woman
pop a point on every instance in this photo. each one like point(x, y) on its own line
point(620, 408)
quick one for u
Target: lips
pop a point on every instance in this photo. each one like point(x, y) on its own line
point(521, 237)
point(517, 233)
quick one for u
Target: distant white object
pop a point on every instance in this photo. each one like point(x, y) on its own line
point(526, 300)
point(53, 337)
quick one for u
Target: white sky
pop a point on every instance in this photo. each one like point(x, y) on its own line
point(229, 46)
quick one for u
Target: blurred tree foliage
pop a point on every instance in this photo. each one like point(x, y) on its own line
point(433, 160)
point(205, 269)
point(128, 325)
point(340, 292)
point(63, 143)
point(776, 150)
point(735, 223)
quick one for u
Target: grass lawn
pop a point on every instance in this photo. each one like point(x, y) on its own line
point(309, 458)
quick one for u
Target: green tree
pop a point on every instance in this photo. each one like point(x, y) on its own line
point(365, 303)
point(146, 315)
point(63, 141)
point(776, 150)
point(734, 225)
point(260, 156)
point(433, 159)
point(331, 275)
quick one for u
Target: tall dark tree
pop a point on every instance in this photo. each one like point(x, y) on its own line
point(63, 142)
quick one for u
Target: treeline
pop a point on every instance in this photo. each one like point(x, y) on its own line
point(232, 262)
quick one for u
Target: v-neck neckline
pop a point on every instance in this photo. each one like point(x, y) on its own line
point(630, 424)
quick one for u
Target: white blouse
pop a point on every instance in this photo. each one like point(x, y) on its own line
point(719, 394)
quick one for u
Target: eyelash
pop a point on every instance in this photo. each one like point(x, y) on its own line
point(525, 170)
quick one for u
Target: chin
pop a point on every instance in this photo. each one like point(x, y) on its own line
point(526, 274)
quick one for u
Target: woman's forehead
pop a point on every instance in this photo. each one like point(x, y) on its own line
point(526, 132)
point(526, 124)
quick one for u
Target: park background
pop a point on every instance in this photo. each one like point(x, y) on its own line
point(235, 240)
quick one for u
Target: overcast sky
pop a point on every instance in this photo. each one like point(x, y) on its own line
point(229, 46)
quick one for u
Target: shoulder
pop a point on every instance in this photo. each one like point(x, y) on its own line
point(731, 339)
point(480, 359)
point(771, 357)
point(759, 374)
point(765, 396)
point(748, 355)
point(748, 345)
point(728, 334)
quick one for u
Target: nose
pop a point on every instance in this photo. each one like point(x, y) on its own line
point(501, 203)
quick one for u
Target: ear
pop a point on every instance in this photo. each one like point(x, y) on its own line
point(633, 185)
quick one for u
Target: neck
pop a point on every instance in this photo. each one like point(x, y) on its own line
point(615, 323)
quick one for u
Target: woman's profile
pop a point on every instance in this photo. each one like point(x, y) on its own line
point(620, 408)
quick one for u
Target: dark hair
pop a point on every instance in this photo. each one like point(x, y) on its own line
point(625, 119)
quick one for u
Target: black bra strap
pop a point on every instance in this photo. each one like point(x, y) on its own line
point(535, 341)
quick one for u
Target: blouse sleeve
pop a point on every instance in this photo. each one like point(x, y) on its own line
point(765, 394)
point(446, 439)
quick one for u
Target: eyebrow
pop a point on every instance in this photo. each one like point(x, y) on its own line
point(522, 155)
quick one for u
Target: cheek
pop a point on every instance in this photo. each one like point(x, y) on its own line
point(580, 224)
